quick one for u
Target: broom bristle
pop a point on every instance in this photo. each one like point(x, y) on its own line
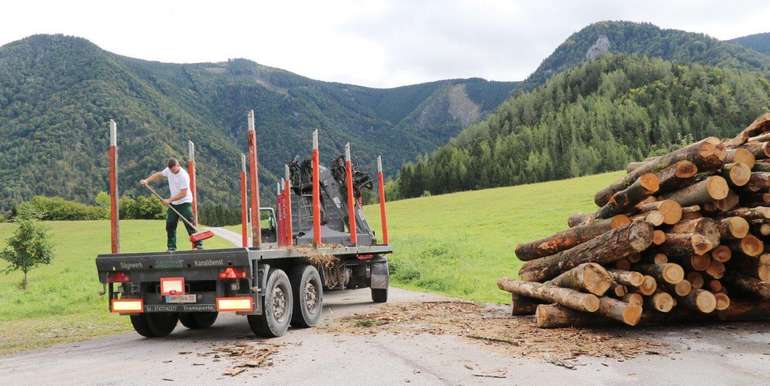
point(200, 236)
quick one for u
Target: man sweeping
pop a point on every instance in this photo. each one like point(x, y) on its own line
point(179, 203)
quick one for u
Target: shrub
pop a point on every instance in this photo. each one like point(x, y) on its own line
point(57, 208)
point(29, 246)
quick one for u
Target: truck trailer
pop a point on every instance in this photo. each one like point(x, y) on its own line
point(315, 239)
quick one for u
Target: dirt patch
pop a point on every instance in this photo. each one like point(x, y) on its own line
point(242, 355)
point(493, 326)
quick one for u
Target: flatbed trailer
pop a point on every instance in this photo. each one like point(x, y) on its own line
point(276, 280)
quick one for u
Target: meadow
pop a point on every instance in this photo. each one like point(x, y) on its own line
point(455, 244)
point(62, 303)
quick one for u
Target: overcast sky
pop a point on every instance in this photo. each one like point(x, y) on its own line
point(372, 43)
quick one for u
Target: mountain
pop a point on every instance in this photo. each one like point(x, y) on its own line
point(58, 92)
point(592, 118)
point(648, 40)
point(757, 42)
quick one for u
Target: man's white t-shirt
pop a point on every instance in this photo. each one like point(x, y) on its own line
point(177, 182)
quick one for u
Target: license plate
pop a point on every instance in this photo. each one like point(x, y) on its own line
point(188, 298)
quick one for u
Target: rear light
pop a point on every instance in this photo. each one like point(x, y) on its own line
point(365, 257)
point(236, 303)
point(231, 273)
point(172, 286)
point(127, 306)
point(117, 277)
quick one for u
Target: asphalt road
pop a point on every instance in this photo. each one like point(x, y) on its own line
point(729, 355)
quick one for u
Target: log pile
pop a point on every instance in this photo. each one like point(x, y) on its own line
point(680, 237)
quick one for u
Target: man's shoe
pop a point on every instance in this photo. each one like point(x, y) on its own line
point(171, 250)
point(199, 247)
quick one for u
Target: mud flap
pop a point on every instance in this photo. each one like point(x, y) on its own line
point(380, 275)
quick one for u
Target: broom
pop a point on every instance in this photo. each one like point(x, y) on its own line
point(195, 237)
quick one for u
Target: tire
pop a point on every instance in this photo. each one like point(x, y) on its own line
point(379, 295)
point(155, 325)
point(277, 306)
point(198, 320)
point(308, 293)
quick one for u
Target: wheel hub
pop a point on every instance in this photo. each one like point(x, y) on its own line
point(279, 303)
point(311, 295)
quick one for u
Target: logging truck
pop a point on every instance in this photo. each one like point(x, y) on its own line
point(316, 238)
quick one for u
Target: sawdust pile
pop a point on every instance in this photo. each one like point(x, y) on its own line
point(243, 355)
point(517, 336)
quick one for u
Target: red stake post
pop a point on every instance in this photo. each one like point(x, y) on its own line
point(381, 191)
point(256, 230)
point(316, 193)
point(287, 202)
point(244, 205)
point(351, 200)
point(112, 154)
point(193, 180)
point(280, 214)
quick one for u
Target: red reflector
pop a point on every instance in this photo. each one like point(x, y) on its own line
point(127, 306)
point(236, 303)
point(171, 286)
point(231, 273)
point(117, 277)
point(365, 257)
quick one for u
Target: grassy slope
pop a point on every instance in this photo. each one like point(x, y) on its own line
point(62, 303)
point(460, 243)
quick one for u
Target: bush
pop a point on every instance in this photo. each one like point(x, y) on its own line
point(57, 208)
point(219, 215)
point(142, 207)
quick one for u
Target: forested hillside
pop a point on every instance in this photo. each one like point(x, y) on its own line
point(590, 119)
point(648, 40)
point(57, 94)
point(757, 42)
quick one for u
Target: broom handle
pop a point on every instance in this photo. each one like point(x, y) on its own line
point(171, 207)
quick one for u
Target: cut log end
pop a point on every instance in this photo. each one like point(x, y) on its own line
point(717, 187)
point(722, 253)
point(683, 288)
point(672, 273)
point(696, 279)
point(649, 285)
point(704, 301)
point(649, 182)
point(752, 246)
point(662, 301)
point(722, 301)
point(658, 237)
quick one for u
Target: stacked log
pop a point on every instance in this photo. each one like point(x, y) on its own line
point(680, 237)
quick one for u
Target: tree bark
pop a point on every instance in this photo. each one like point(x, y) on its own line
point(555, 316)
point(758, 267)
point(590, 277)
point(521, 305)
point(761, 166)
point(760, 150)
point(653, 217)
point(551, 293)
point(568, 238)
point(629, 278)
point(579, 219)
point(707, 154)
point(759, 126)
point(710, 189)
point(604, 249)
point(676, 176)
point(757, 213)
point(624, 200)
point(683, 244)
point(751, 285)
point(759, 181)
point(634, 298)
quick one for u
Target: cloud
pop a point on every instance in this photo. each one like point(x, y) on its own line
point(368, 42)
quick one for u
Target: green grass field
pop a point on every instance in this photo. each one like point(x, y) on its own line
point(62, 302)
point(459, 244)
point(456, 244)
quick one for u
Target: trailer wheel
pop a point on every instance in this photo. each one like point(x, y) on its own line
point(308, 296)
point(198, 320)
point(155, 325)
point(277, 307)
point(379, 295)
